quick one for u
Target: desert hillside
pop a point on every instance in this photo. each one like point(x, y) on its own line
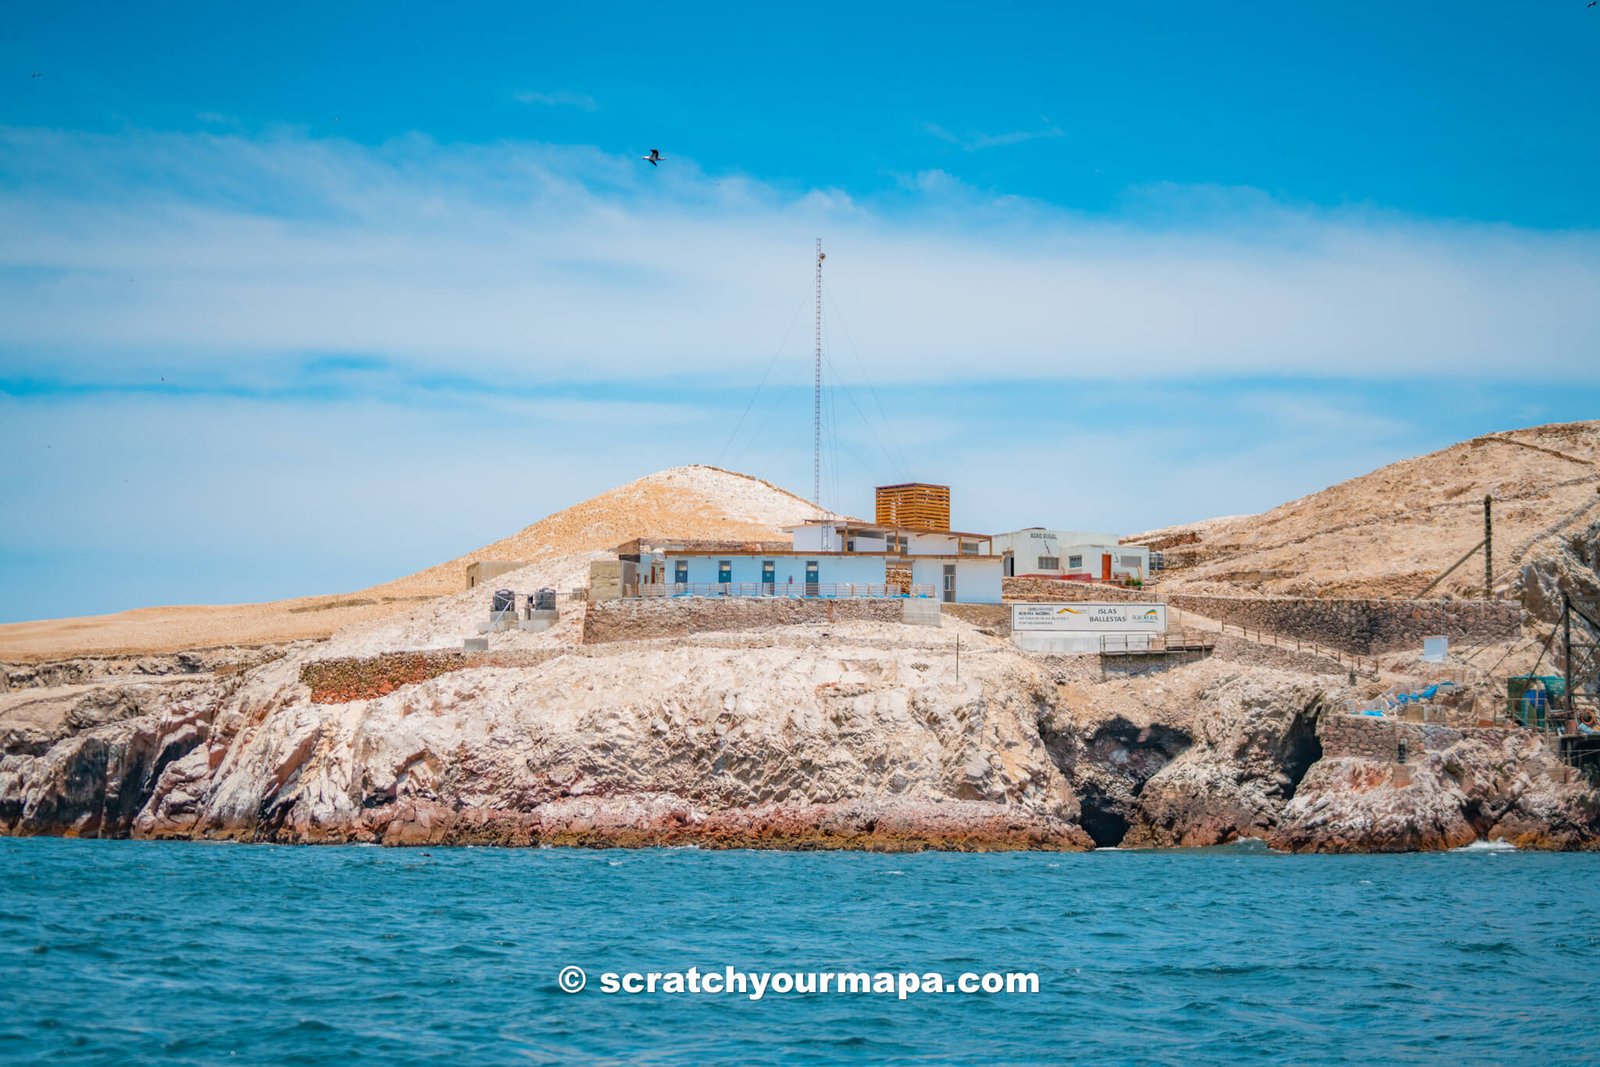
point(690, 502)
point(1392, 532)
point(1384, 534)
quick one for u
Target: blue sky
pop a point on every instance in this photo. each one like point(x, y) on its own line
point(301, 298)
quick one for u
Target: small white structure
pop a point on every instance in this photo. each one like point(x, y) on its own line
point(1081, 555)
point(1085, 628)
point(1435, 649)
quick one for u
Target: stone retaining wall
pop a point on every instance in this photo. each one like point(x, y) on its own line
point(1362, 627)
point(1369, 737)
point(637, 618)
point(1054, 591)
point(993, 618)
point(340, 681)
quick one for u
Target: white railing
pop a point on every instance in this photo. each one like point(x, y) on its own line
point(1177, 641)
point(792, 590)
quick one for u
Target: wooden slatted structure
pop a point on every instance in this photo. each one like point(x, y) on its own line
point(917, 505)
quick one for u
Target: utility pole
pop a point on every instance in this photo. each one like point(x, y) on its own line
point(816, 395)
point(1566, 640)
point(1488, 547)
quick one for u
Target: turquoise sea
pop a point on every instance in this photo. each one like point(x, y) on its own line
point(122, 952)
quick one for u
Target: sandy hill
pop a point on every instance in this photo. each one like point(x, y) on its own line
point(690, 502)
point(1391, 532)
point(1388, 533)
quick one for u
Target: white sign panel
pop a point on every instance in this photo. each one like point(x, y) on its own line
point(1090, 618)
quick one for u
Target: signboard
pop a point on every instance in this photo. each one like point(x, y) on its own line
point(1090, 618)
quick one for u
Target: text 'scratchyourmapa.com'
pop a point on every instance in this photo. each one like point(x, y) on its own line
point(730, 981)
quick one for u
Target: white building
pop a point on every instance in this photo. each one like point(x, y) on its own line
point(962, 567)
point(696, 572)
point(829, 558)
point(1077, 555)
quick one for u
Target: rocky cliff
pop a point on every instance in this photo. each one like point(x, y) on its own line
point(859, 734)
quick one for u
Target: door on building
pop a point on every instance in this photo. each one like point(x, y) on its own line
point(949, 583)
point(813, 587)
point(769, 577)
point(724, 575)
point(680, 575)
point(1105, 568)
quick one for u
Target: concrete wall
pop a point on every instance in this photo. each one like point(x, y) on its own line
point(610, 578)
point(629, 620)
point(977, 580)
point(933, 544)
point(1369, 737)
point(487, 570)
point(817, 537)
point(1363, 627)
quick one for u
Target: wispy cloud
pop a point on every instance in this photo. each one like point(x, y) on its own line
point(974, 141)
point(560, 98)
point(130, 252)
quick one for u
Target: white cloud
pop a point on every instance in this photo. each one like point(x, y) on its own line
point(561, 263)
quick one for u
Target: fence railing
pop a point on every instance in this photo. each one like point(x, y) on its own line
point(1176, 641)
point(790, 590)
point(1362, 664)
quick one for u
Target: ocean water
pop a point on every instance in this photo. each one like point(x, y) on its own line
point(127, 952)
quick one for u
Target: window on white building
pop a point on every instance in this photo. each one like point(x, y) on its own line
point(1049, 563)
point(969, 548)
point(1130, 562)
point(1074, 563)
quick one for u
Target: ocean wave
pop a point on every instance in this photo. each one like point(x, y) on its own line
point(1480, 845)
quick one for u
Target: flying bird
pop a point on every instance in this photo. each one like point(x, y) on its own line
point(653, 158)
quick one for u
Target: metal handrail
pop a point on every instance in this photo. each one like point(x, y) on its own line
point(1269, 637)
point(1178, 640)
point(790, 590)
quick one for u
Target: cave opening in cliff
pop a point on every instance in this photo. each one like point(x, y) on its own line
point(1101, 818)
point(1301, 748)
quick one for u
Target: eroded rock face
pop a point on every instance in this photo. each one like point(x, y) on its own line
point(96, 783)
point(1197, 756)
point(859, 735)
point(1255, 739)
point(1108, 764)
point(1566, 563)
point(1454, 788)
point(92, 670)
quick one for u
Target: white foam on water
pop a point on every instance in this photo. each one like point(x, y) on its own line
point(1480, 845)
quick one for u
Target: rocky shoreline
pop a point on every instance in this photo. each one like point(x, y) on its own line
point(858, 735)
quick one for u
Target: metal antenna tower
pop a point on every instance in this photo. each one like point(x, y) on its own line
point(816, 396)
